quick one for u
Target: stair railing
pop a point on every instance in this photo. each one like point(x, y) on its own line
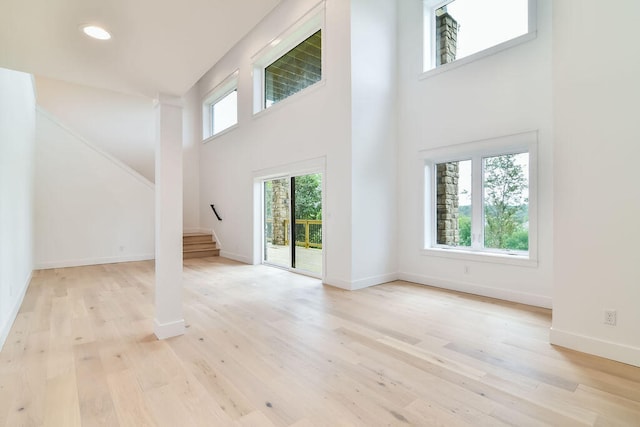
point(213, 231)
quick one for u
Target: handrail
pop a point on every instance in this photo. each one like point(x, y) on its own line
point(216, 213)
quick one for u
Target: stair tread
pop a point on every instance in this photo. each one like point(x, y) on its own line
point(200, 250)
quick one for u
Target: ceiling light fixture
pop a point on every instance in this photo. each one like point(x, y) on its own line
point(96, 32)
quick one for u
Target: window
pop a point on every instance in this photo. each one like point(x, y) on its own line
point(457, 29)
point(480, 196)
point(291, 63)
point(224, 113)
point(220, 109)
point(295, 70)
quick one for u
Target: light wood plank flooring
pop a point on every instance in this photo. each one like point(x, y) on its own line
point(265, 347)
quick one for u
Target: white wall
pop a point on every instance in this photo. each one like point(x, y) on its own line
point(90, 208)
point(119, 124)
point(314, 124)
point(191, 142)
point(502, 94)
point(596, 92)
point(17, 138)
point(374, 145)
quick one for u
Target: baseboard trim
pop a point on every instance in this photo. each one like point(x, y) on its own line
point(236, 257)
point(373, 281)
point(607, 349)
point(354, 285)
point(337, 283)
point(168, 330)
point(486, 291)
point(6, 328)
point(92, 261)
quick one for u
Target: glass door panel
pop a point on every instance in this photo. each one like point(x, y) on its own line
point(307, 228)
point(293, 223)
point(277, 215)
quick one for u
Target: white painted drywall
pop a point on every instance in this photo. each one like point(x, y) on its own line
point(119, 124)
point(505, 93)
point(191, 142)
point(313, 124)
point(90, 208)
point(597, 178)
point(17, 139)
point(168, 320)
point(373, 141)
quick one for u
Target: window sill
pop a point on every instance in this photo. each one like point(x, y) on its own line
point(478, 55)
point(219, 134)
point(477, 256)
point(308, 90)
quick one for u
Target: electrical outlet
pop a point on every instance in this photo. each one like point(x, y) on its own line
point(610, 317)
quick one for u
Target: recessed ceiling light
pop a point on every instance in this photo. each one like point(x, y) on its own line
point(96, 32)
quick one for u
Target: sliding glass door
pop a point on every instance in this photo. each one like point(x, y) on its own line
point(292, 222)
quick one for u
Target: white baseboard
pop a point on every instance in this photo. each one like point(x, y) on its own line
point(337, 283)
point(475, 289)
point(92, 261)
point(373, 280)
point(168, 330)
point(6, 328)
point(236, 257)
point(354, 285)
point(607, 349)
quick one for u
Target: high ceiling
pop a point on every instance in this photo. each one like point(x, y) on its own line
point(158, 46)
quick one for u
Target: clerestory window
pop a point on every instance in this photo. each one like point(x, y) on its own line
point(220, 108)
point(458, 29)
point(290, 63)
point(297, 69)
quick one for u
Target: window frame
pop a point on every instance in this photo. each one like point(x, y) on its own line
point(217, 94)
point(309, 24)
point(429, 39)
point(477, 151)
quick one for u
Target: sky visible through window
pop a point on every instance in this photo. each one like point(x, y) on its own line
point(225, 112)
point(486, 23)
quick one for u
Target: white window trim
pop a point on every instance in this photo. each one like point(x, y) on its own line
point(306, 26)
point(429, 51)
point(224, 88)
point(510, 144)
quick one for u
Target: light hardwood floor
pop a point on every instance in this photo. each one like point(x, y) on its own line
point(265, 347)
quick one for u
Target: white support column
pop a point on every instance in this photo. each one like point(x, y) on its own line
point(168, 321)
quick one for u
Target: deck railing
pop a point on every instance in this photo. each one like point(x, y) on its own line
point(307, 232)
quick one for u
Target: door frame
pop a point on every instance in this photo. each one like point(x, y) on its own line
point(286, 171)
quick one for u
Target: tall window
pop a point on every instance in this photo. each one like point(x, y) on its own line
point(480, 199)
point(220, 108)
point(456, 29)
point(295, 70)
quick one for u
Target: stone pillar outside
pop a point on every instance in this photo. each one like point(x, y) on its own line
point(446, 37)
point(448, 232)
point(280, 211)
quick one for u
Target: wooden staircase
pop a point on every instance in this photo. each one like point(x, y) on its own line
point(198, 245)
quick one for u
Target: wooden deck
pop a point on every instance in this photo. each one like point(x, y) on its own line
point(264, 347)
point(307, 259)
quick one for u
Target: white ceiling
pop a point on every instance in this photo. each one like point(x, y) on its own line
point(158, 46)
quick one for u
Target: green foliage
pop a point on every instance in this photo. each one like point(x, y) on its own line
point(505, 209)
point(464, 228)
point(308, 196)
point(518, 240)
